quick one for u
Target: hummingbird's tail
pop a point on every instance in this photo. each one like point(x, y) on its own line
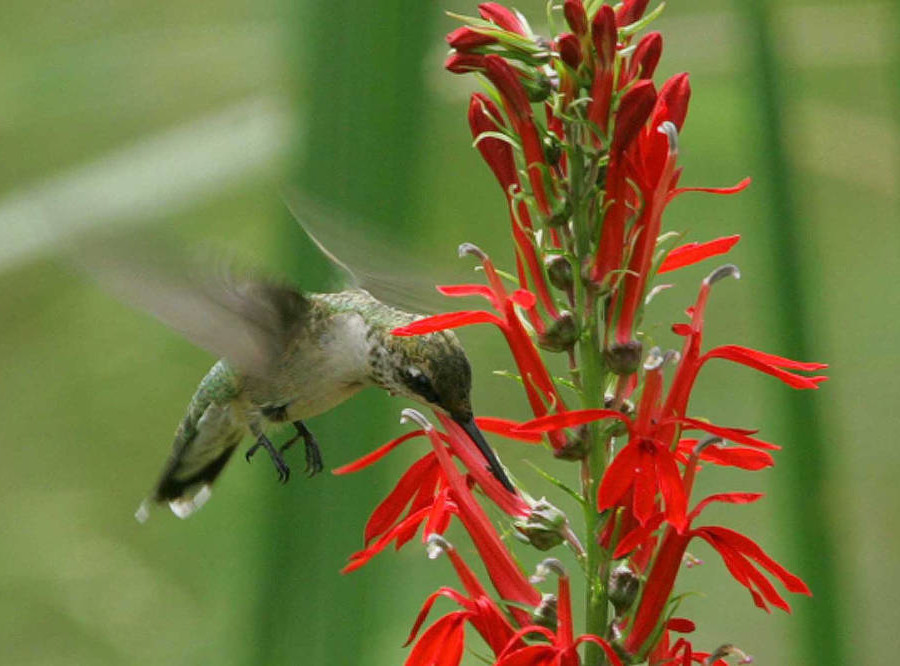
point(204, 443)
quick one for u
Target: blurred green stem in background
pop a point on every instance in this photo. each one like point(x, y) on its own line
point(361, 92)
point(804, 460)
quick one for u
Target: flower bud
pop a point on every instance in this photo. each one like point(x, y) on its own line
point(562, 334)
point(576, 17)
point(544, 614)
point(559, 272)
point(569, 48)
point(544, 528)
point(623, 588)
point(624, 358)
point(465, 39)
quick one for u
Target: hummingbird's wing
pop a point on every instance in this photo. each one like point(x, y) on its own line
point(393, 276)
point(247, 320)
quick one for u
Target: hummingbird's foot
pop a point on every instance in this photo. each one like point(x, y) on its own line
point(284, 472)
point(314, 463)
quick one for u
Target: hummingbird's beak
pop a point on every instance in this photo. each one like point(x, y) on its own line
point(475, 435)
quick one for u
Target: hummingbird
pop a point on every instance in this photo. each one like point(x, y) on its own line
point(315, 351)
point(286, 356)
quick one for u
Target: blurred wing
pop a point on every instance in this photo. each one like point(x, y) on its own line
point(248, 321)
point(391, 275)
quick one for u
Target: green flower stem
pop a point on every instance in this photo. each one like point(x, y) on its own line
point(591, 374)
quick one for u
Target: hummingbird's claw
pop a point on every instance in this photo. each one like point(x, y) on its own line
point(250, 452)
point(284, 472)
point(314, 463)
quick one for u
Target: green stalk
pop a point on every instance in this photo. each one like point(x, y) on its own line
point(592, 382)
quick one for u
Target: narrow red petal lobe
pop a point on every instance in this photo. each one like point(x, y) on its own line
point(692, 253)
point(441, 322)
point(618, 478)
point(377, 454)
point(571, 418)
point(507, 428)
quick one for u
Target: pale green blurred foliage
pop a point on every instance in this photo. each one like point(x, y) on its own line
point(91, 391)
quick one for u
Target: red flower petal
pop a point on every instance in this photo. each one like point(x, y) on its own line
point(752, 550)
point(392, 506)
point(672, 489)
point(734, 189)
point(441, 644)
point(377, 454)
point(523, 298)
point(744, 573)
point(360, 558)
point(637, 536)
point(533, 655)
point(692, 253)
point(571, 418)
point(442, 322)
point(611, 655)
point(507, 428)
point(728, 498)
point(769, 364)
point(737, 456)
point(681, 624)
point(448, 592)
point(645, 487)
point(618, 477)
point(734, 434)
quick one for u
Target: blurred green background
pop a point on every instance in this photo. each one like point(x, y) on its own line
point(188, 120)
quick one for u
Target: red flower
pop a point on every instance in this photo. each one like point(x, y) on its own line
point(562, 647)
point(681, 652)
point(442, 643)
point(741, 555)
point(424, 495)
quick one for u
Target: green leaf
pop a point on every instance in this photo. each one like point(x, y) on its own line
point(559, 484)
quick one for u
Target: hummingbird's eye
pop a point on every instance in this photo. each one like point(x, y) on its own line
point(419, 384)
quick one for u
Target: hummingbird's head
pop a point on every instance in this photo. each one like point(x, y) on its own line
point(433, 369)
